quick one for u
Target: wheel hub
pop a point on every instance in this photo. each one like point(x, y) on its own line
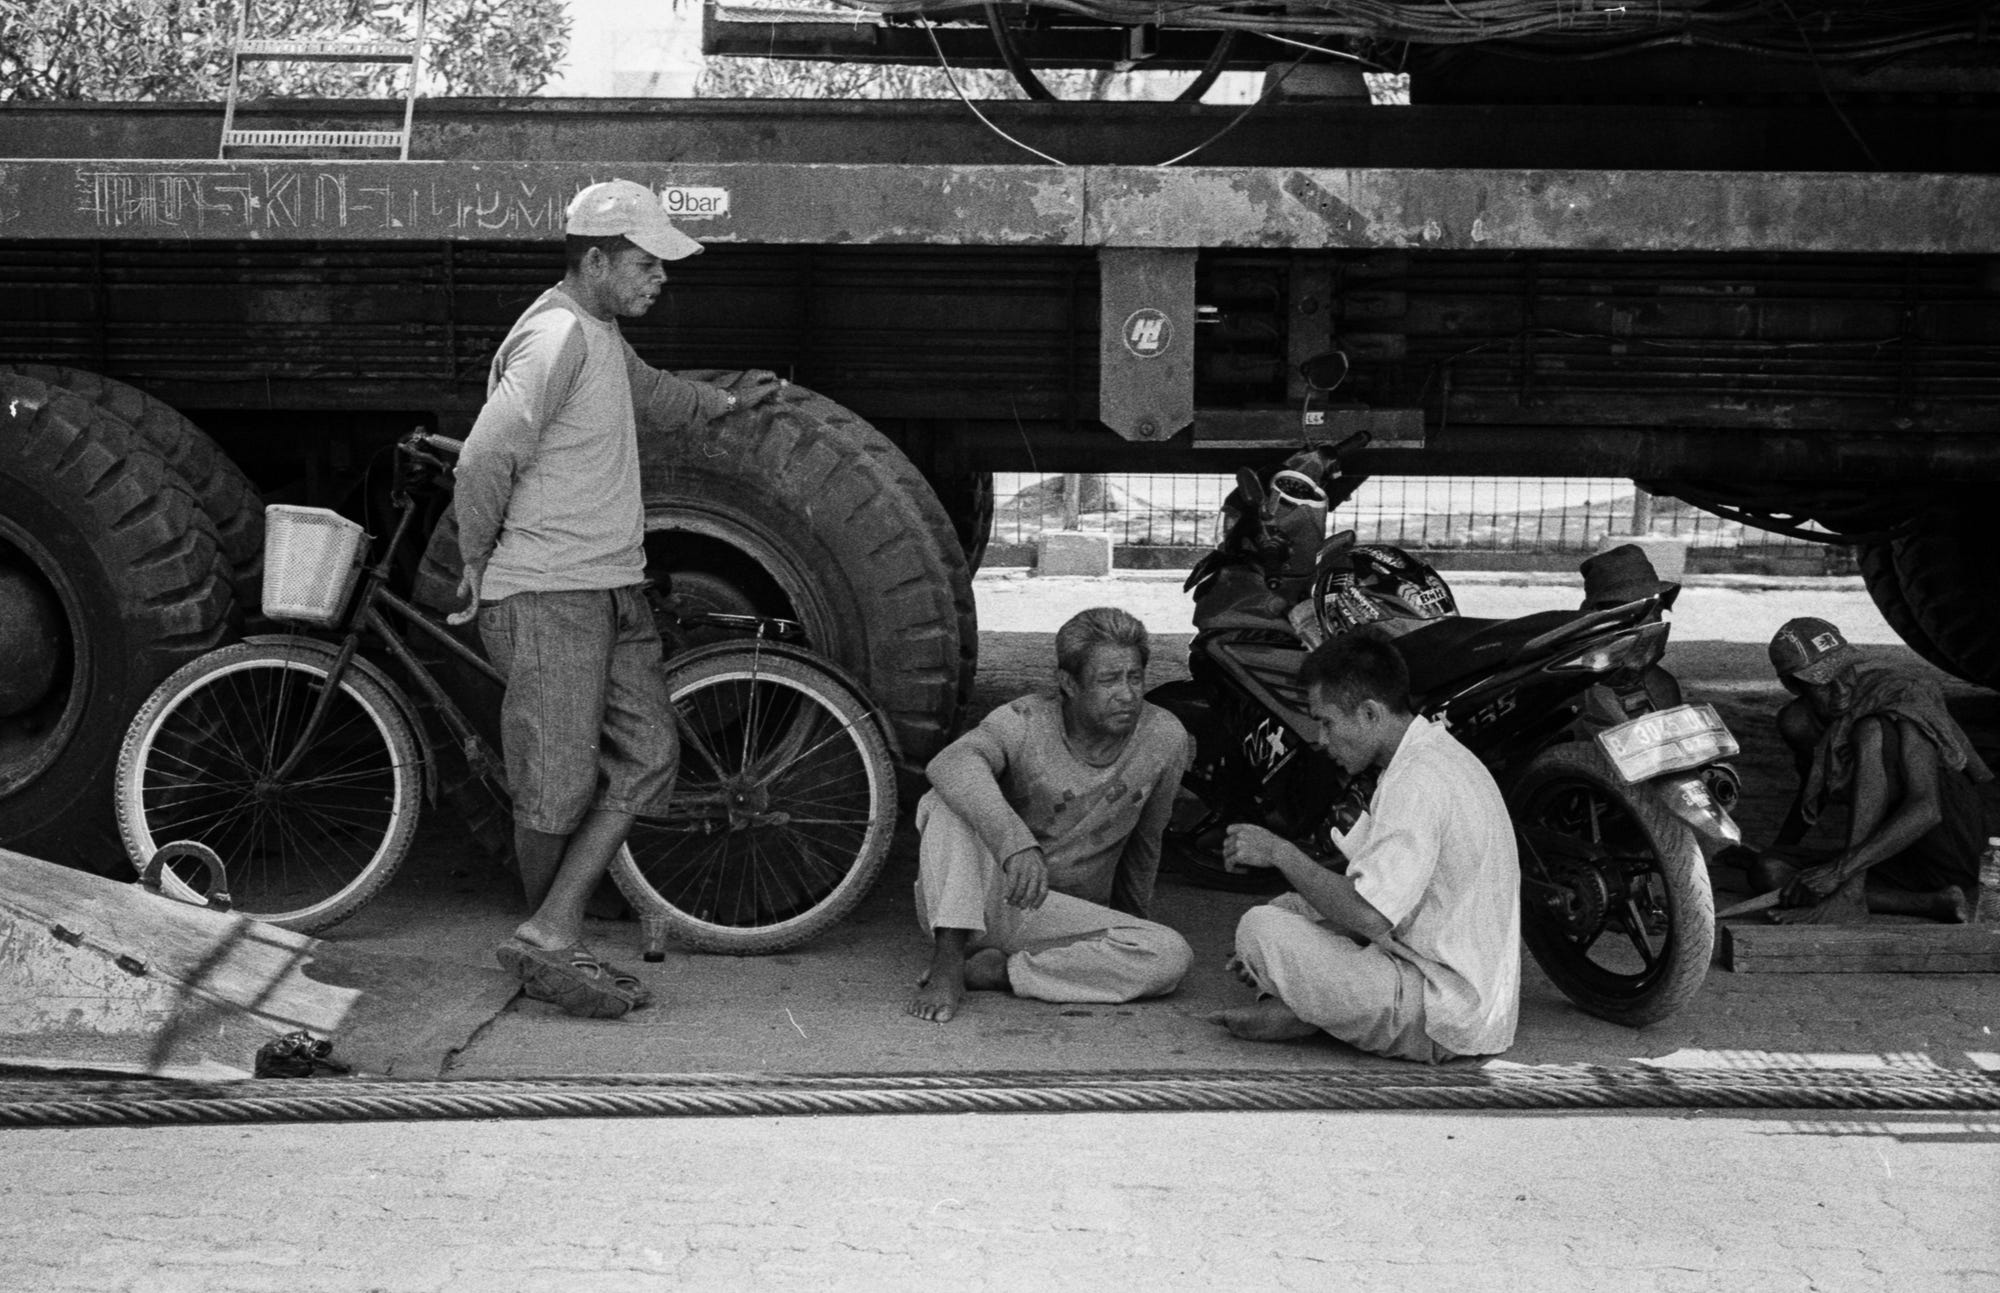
point(1579, 898)
point(31, 630)
point(749, 804)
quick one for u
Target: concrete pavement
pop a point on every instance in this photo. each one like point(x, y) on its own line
point(1598, 1203)
point(836, 1003)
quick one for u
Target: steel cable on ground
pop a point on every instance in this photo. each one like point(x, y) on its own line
point(126, 1102)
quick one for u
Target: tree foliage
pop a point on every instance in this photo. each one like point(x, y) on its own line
point(777, 78)
point(132, 50)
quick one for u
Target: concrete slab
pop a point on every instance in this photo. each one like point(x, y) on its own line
point(1073, 553)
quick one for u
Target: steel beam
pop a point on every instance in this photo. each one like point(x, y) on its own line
point(1216, 207)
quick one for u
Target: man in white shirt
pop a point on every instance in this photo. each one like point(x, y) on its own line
point(1414, 952)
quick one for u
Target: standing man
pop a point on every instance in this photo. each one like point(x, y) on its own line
point(1041, 836)
point(1878, 739)
point(551, 529)
point(1415, 952)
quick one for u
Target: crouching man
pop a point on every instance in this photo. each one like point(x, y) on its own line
point(1415, 952)
point(1041, 836)
point(1876, 738)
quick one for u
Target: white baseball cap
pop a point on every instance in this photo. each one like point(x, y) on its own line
point(622, 207)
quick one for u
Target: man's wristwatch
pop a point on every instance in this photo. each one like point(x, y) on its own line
point(733, 401)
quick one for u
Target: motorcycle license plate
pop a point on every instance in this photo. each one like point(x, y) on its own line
point(1672, 740)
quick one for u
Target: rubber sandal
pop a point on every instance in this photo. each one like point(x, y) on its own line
point(572, 979)
point(630, 984)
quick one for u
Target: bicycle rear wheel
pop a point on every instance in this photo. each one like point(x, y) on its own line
point(302, 853)
point(783, 810)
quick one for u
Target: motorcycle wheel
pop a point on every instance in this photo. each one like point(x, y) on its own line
point(1191, 850)
point(1627, 932)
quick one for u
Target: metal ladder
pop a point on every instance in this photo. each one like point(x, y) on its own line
point(321, 51)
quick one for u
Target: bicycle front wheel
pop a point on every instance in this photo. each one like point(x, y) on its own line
point(201, 762)
point(783, 809)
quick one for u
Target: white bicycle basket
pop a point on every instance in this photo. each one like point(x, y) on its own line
point(311, 563)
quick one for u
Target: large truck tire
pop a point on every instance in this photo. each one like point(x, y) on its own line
point(1945, 562)
point(1878, 571)
point(115, 561)
point(223, 491)
point(800, 508)
point(967, 498)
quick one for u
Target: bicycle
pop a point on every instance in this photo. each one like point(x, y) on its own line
point(301, 762)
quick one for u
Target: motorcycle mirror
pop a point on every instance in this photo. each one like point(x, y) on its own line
point(1251, 488)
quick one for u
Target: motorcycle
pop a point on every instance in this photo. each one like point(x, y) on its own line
point(1619, 792)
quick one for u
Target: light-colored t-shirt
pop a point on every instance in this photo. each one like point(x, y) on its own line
point(547, 488)
point(1098, 827)
point(1435, 855)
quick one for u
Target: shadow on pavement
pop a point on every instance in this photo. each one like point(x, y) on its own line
point(836, 1005)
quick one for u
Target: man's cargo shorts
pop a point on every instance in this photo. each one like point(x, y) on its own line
point(586, 721)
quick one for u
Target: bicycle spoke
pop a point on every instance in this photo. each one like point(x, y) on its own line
point(750, 718)
point(793, 760)
point(699, 739)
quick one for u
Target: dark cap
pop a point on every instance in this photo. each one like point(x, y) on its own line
point(1810, 650)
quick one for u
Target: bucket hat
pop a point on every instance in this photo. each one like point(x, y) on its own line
point(1620, 575)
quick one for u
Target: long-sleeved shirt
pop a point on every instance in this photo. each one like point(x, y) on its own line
point(1015, 780)
point(547, 489)
point(1435, 854)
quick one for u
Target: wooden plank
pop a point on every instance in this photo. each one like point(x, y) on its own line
point(214, 985)
point(1872, 963)
point(1861, 949)
point(94, 970)
point(217, 956)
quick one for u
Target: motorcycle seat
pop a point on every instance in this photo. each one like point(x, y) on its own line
point(1446, 650)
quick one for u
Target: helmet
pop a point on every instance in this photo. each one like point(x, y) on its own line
point(1372, 582)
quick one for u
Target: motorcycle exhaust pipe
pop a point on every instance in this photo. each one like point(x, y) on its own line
point(1688, 797)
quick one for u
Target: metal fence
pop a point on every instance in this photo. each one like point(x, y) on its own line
point(1516, 514)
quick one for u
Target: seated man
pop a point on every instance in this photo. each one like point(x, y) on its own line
point(1041, 836)
point(1878, 739)
point(1415, 952)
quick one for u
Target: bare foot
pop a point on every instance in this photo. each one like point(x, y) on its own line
point(1767, 873)
point(536, 935)
point(1847, 905)
point(942, 989)
point(1270, 1020)
point(939, 994)
point(1240, 972)
point(1951, 906)
point(986, 971)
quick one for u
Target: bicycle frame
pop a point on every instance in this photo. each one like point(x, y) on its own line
point(365, 615)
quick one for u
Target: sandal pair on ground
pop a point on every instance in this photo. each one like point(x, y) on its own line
point(573, 979)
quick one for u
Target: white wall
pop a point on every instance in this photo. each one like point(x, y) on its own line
point(631, 48)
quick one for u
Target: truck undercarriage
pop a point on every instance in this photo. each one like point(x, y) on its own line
point(1705, 292)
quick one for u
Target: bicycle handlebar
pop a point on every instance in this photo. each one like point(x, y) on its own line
point(442, 443)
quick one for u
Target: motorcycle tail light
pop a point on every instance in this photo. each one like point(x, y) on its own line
point(1637, 649)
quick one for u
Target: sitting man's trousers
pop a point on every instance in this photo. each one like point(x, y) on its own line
point(1362, 994)
point(1066, 950)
